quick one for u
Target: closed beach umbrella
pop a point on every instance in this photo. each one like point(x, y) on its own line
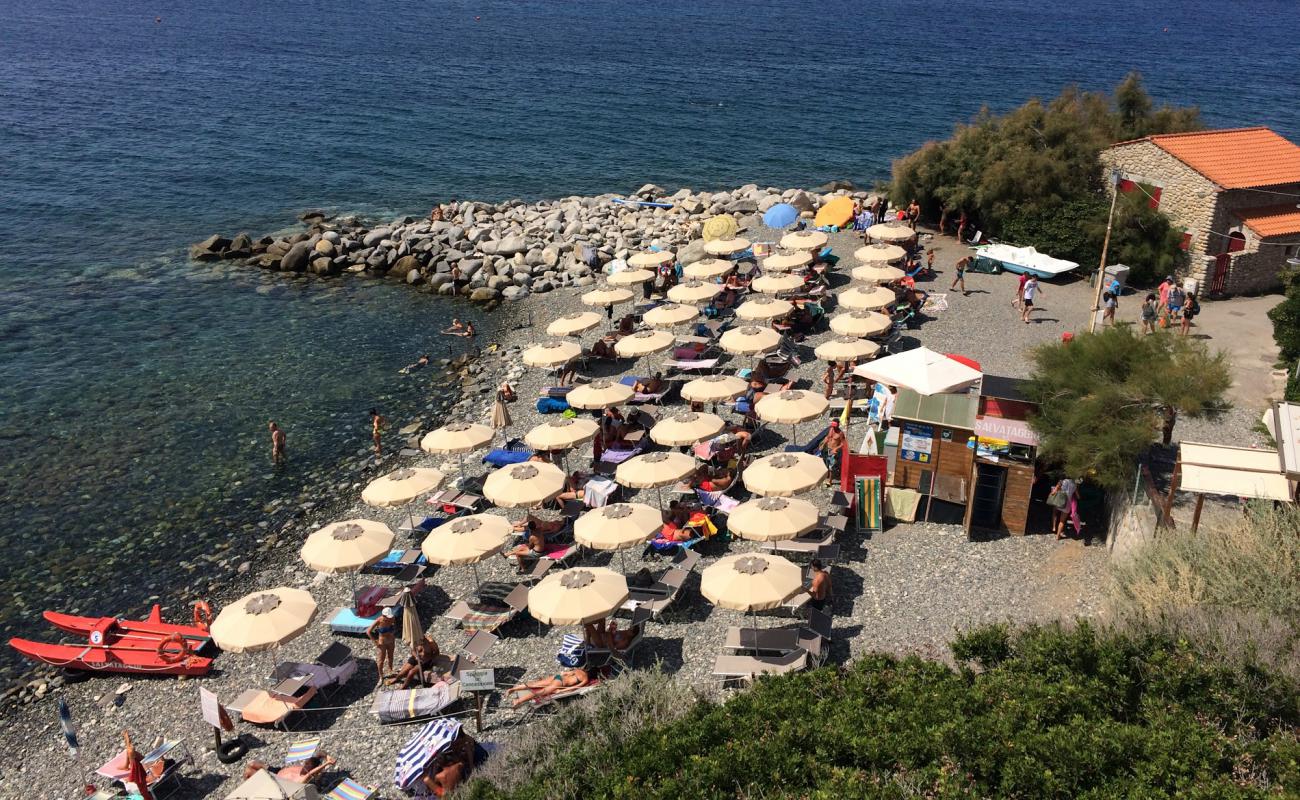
point(551, 354)
point(561, 433)
point(347, 546)
point(749, 340)
point(607, 296)
point(412, 625)
point(764, 308)
point(500, 418)
point(401, 486)
point(723, 226)
point(784, 262)
point(837, 211)
point(617, 526)
point(784, 474)
point(467, 540)
point(652, 258)
point(879, 253)
point(630, 277)
point(263, 619)
point(861, 323)
point(751, 581)
point(713, 389)
point(643, 343)
point(775, 284)
point(709, 268)
point(694, 291)
point(846, 348)
point(771, 519)
point(878, 273)
point(781, 215)
point(670, 314)
point(599, 394)
point(922, 370)
point(524, 485)
point(866, 298)
point(654, 471)
point(726, 247)
point(456, 437)
point(791, 406)
point(686, 427)
point(804, 240)
point(573, 324)
point(887, 232)
point(577, 596)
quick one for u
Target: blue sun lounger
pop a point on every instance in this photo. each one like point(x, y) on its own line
point(346, 620)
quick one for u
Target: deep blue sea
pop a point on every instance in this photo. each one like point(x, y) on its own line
point(135, 387)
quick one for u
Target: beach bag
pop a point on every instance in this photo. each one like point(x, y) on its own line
point(641, 579)
point(1057, 500)
point(573, 651)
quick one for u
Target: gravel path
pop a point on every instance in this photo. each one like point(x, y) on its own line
point(904, 590)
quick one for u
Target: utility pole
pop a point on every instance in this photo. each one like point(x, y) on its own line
point(1105, 245)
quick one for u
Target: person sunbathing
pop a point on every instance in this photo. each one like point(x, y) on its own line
point(603, 348)
point(573, 486)
point(713, 480)
point(544, 688)
point(605, 635)
point(651, 385)
point(419, 664)
point(308, 771)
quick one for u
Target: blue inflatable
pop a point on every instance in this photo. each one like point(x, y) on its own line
point(781, 215)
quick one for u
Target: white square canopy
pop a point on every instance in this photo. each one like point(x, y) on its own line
point(922, 370)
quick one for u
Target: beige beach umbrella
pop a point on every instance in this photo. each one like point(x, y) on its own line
point(552, 353)
point(726, 247)
point(784, 262)
point(861, 323)
point(467, 540)
point(878, 273)
point(262, 785)
point(749, 340)
point(456, 437)
point(804, 240)
point(791, 406)
point(630, 277)
point(846, 348)
point(523, 485)
point(654, 471)
point(617, 526)
point(562, 433)
point(263, 619)
point(643, 343)
point(577, 596)
point(652, 258)
point(607, 296)
point(401, 486)
point(713, 389)
point(764, 307)
point(775, 284)
point(771, 519)
point(694, 291)
point(347, 546)
point(723, 226)
point(709, 268)
point(686, 427)
point(574, 324)
point(865, 298)
point(879, 253)
point(751, 581)
point(888, 232)
point(600, 393)
point(670, 314)
point(784, 474)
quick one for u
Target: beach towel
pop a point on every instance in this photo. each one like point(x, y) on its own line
point(486, 619)
point(935, 303)
point(397, 705)
point(551, 405)
point(870, 502)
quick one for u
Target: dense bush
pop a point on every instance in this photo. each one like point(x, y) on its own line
point(1286, 332)
point(1050, 712)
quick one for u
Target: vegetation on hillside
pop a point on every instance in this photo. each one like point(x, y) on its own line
point(1045, 712)
point(1286, 332)
point(1103, 397)
point(1033, 177)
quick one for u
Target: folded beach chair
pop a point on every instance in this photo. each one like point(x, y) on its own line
point(746, 668)
point(488, 616)
point(514, 452)
point(301, 751)
point(403, 705)
point(349, 789)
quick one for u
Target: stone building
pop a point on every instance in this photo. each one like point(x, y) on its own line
point(1235, 193)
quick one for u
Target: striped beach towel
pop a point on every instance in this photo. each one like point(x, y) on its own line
point(869, 504)
point(486, 620)
point(420, 750)
point(301, 751)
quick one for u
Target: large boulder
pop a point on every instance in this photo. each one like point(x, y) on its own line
point(649, 191)
point(325, 247)
point(692, 252)
point(835, 186)
point(240, 247)
point(375, 237)
point(802, 202)
point(296, 259)
point(511, 245)
point(743, 205)
point(210, 249)
point(512, 292)
point(322, 265)
point(404, 266)
point(484, 294)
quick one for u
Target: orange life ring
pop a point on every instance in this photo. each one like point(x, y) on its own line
point(170, 655)
point(202, 615)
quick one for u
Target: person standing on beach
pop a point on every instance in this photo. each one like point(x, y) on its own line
point(277, 443)
point(1108, 305)
point(1020, 291)
point(1190, 310)
point(913, 213)
point(828, 380)
point(377, 424)
point(961, 273)
point(383, 633)
point(819, 589)
point(1028, 294)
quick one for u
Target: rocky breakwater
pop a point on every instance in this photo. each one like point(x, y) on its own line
point(508, 250)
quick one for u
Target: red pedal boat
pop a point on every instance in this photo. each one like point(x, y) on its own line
point(113, 644)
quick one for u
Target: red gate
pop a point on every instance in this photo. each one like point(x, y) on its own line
point(1220, 280)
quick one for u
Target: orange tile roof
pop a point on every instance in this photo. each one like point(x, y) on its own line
point(1279, 220)
point(1239, 158)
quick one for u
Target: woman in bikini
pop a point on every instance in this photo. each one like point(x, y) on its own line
point(541, 689)
point(383, 632)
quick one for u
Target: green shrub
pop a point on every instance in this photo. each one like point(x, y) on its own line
point(1074, 713)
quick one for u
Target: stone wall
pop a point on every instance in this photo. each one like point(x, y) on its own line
point(1255, 271)
point(1187, 197)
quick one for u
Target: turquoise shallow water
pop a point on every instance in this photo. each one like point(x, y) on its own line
point(134, 387)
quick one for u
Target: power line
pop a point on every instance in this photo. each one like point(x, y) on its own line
point(1156, 200)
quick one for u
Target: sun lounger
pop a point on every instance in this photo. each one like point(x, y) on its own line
point(481, 616)
point(275, 706)
point(643, 397)
point(717, 501)
point(477, 646)
point(658, 597)
point(697, 365)
point(301, 751)
point(403, 705)
point(349, 789)
point(805, 545)
point(397, 560)
point(773, 641)
point(162, 766)
point(348, 621)
point(617, 455)
point(601, 655)
point(331, 669)
point(812, 446)
point(746, 668)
